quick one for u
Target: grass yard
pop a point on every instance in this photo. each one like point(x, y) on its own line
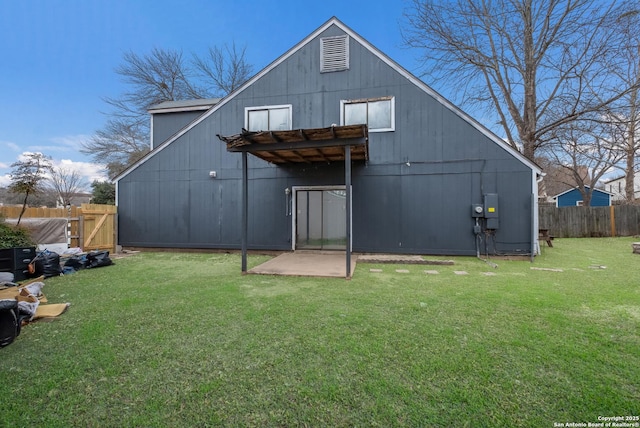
point(182, 339)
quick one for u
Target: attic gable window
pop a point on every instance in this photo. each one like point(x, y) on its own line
point(377, 113)
point(268, 118)
point(334, 53)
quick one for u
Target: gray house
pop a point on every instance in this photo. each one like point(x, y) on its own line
point(331, 146)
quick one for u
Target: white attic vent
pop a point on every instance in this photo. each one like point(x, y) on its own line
point(334, 53)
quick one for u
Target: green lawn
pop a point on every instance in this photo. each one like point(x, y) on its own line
point(175, 339)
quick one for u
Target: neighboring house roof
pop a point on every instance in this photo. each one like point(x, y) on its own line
point(184, 105)
point(576, 188)
point(77, 199)
point(622, 177)
point(375, 51)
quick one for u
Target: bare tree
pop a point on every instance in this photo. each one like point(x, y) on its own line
point(223, 69)
point(151, 79)
point(120, 143)
point(558, 178)
point(28, 176)
point(162, 75)
point(522, 60)
point(585, 151)
point(66, 182)
point(625, 115)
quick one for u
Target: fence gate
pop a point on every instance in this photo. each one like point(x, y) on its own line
point(97, 227)
point(90, 226)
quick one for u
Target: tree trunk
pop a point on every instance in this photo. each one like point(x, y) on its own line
point(529, 147)
point(630, 177)
point(24, 208)
point(630, 173)
point(529, 119)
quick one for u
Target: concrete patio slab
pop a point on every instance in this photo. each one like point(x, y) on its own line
point(307, 263)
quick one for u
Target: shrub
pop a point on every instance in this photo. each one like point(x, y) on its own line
point(14, 236)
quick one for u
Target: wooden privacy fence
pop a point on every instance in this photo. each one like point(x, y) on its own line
point(91, 226)
point(583, 222)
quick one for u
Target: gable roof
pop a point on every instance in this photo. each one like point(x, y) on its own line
point(576, 188)
point(375, 51)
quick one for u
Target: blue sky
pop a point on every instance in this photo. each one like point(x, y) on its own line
point(59, 56)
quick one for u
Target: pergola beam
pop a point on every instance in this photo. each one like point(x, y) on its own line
point(307, 144)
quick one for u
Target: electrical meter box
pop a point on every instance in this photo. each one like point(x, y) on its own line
point(477, 210)
point(491, 212)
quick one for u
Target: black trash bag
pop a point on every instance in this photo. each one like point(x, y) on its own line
point(48, 264)
point(10, 321)
point(76, 262)
point(98, 259)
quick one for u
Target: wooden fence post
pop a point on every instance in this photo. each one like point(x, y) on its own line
point(613, 220)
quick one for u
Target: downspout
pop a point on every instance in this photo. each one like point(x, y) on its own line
point(535, 243)
point(151, 133)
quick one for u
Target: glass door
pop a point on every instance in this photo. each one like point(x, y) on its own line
point(320, 219)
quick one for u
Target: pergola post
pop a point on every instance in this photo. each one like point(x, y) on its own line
point(245, 210)
point(347, 180)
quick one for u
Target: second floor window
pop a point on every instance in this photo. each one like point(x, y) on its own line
point(378, 114)
point(268, 118)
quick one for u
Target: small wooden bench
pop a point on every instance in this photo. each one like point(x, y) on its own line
point(543, 235)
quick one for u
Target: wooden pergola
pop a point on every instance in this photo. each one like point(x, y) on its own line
point(332, 144)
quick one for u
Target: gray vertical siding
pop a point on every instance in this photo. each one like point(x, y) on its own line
point(167, 124)
point(414, 194)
